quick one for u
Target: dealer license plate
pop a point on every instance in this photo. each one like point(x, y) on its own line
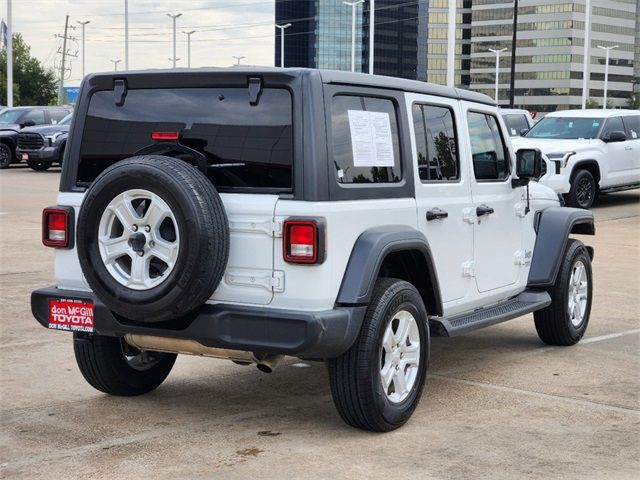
point(71, 315)
point(25, 156)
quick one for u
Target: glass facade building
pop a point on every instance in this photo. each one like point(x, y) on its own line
point(550, 51)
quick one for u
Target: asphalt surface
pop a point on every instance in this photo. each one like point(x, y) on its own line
point(498, 403)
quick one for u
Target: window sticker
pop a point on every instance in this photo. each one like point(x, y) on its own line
point(634, 134)
point(371, 139)
point(513, 130)
point(595, 124)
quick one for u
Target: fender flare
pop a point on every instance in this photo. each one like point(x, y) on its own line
point(367, 256)
point(553, 226)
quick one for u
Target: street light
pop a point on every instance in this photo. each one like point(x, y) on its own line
point(282, 27)
point(188, 34)
point(606, 71)
point(238, 58)
point(451, 44)
point(353, 6)
point(497, 52)
point(586, 54)
point(115, 64)
point(83, 55)
point(174, 17)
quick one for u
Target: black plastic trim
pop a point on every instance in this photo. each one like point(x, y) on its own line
point(368, 253)
point(554, 225)
point(324, 334)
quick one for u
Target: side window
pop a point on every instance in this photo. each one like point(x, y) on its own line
point(515, 123)
point(612, 124)
point(366, 146)
point(35, 116)
point(632, 124)
point(436, 143)
point(57, 115)
point(490, 156)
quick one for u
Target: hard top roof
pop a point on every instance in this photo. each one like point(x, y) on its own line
point(593, 113)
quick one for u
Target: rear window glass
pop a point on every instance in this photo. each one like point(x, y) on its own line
point(632, 123)
point(245, 146)
point(516, 122)
point(366, 147)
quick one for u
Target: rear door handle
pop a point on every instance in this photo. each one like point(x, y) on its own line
point(628, 148)
point(436, 214)
point(483, 210)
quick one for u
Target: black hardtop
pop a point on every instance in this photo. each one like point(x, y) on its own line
point(232, 76)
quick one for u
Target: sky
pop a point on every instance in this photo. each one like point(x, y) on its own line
point(223, 28)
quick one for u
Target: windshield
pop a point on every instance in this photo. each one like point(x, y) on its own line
point(10, 116)
point(66, 120)
point(566, 128)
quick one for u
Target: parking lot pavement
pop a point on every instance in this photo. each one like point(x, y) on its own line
point(498, 403)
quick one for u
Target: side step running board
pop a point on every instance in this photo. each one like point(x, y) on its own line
point(527, 302)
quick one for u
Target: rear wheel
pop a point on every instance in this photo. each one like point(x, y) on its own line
point(6, 155)
point(565, 321)
point(39, 166)
point(377, 384)
point(583, 190)
point(111, 365)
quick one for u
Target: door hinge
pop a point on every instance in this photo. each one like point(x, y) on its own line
point(273, 281)
point(469, 269)
point(521, 209)
point(269, 227)
point(277, 281)
point(523, 257)
point(469, 215)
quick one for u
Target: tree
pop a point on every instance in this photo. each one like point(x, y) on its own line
point(634, 101)
point(33, 84)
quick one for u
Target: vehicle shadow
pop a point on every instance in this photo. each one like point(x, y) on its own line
point(617, 199)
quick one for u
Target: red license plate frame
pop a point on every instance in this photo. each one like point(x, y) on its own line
point(71, 315)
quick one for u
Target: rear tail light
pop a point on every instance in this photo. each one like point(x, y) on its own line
point(303, 241)
point(56, 227)
point(165, 136)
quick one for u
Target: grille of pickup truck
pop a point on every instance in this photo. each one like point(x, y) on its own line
point(30, 141)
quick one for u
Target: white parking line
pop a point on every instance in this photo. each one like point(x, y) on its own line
point(602, 338)
point(544, 396)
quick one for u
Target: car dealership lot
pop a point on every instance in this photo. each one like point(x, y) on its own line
point(497, 403)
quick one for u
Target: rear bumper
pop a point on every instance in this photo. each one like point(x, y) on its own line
point(325, 334)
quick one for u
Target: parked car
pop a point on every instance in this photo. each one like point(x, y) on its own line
point(43, 146)
point(592, 151)
point(518, 121)
point(13, 120)
point(251, 213)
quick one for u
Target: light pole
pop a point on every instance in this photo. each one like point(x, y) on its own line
point(353, 6)
point(126, 35)
point(586, 54)
point(606, 71)
point(83, 55)
point(238, 58)
point(174, 17)
point(451, 44)
point(115, 64)
point(282, 27)
point(372, 32)
point(497, 52)
point(10, 57)
point(188, 34)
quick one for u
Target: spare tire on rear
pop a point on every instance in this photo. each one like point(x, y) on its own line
point(152, 238)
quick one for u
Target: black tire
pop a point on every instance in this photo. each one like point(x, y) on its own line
point(355, 377)
point(554, 323)
point(39, 166)
point(6, 156)
point(104, 365)
point(583, 190)
point(203, 230)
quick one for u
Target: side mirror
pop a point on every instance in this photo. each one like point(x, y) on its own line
point(615, 136)
point(28, 123)
point(528, 165)
point(524, 131)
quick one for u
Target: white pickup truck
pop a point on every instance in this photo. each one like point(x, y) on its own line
point(592, 152)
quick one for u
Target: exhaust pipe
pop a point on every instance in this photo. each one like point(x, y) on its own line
point(266, 362)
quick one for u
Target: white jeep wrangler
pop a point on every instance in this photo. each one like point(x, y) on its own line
point(591, 152)
point(250, 214)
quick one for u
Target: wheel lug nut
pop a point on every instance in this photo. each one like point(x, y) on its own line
point(152, 243)
point(141, 253)
point(134, 228)
point(147, 228)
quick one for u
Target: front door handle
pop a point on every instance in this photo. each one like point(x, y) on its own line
point(628, 147)
point(483, 210)
point(436, 214)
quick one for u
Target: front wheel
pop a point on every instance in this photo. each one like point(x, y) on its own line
point(39, 166)
point(377, 384)
point(565, 321)
point(6, 156)
point(583, 190)
point(111, 365)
